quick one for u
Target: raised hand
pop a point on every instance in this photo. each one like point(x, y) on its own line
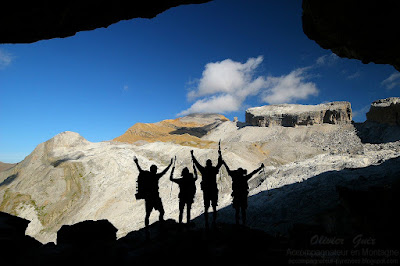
point(261, 167)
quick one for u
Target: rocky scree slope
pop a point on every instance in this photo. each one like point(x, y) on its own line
point(68, 179)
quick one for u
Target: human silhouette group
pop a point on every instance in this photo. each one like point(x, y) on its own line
point(147, 188)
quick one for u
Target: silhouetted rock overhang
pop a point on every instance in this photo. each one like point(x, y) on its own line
point(364, 30)
point(39, 20)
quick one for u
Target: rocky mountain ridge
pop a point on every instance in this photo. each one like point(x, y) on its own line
point(186, 130)
point(68, 179)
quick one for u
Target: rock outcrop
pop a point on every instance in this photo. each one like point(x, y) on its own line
point(290, 115)
point(32, 21)
point(363, 30)
point(87, 232)
point(385, 111)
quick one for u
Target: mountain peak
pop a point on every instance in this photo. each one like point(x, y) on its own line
point(68, 139)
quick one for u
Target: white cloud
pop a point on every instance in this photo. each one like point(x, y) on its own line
point(5, 59)
point(289, 88)
point(227, 76)
point(392, 81)
point(225, 85)
point(214, 104)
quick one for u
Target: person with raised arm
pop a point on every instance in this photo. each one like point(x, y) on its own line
point(209, 184)
point(240, 190)
point(148, 190)
point(187, 190)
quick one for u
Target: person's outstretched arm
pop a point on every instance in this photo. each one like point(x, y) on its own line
point(165, 170)
point(227, 168)
point(198, 165)
point(171, 177)
point(220, 160)
point(195, 173)
point(255, 171)
point(135, 159)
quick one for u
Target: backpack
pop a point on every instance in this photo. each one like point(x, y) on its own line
point(141, 186)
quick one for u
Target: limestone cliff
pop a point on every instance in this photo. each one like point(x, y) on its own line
point(385, 111)
point(383, 122)
point(290, 115)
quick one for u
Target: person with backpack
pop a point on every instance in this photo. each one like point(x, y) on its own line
point(240, 190)
point(148, 190)
point(187, 190)
point(209, 185)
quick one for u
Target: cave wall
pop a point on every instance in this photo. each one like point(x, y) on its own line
point(32, 21)
point(363, 30)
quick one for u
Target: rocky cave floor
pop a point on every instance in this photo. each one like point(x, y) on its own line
point(94, 241)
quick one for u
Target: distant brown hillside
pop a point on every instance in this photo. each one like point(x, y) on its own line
point(186, 130)
point(6, 166)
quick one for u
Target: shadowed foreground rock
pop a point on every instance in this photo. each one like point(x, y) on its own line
point(15, 246)
point(90, 242)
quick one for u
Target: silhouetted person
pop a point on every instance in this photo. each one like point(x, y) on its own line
point(240, 190)
point(209, 185)
point(187, 189)
point(149, 181)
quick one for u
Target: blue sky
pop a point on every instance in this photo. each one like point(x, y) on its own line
point(223, 56)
